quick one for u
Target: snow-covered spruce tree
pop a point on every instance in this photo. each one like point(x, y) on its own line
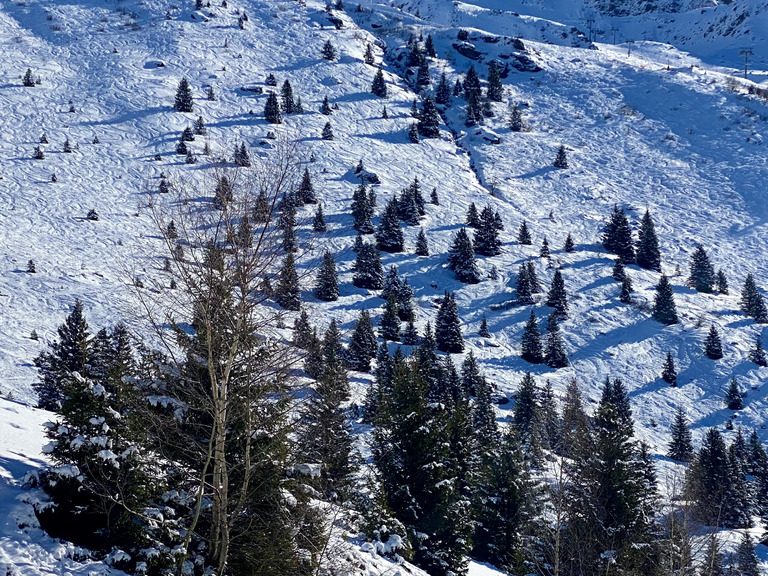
point(362, 211)
point(617, 236)
point(664, 309)
point(286, 93)
point(625, 294)
point(328, 52)
point(422, 74)
point(561, 160)
point(554, 349)
point(306, 191)
point(389, 236)
point(487, 240)
point(461, 258)
point(669, 373)
point(448, 326)
point(368, 270)
point(327, 133)
point(618, 273)
point(368, 56)
point(702, 276)
point(272, 112)
point(544, 250)
point(474, 114)
point(392, 283)
point(429, 119)
point(429, 47)
point(569, 246)
point(713, 346)
point(483, 332)
point(200, 128)
point(287, 291)
point(66, 355)
point(471, 84)
point(530, 345)
point(325, 107)
point(527, 418)
point(523, 287)
point(302, 331)
point(362, 344)
point(524, 235)
point(419, 464)
point(721, 282)
point(318, 221)
point(327, 285)
point(408, 208)
point(733, 398)
point(715, 486)
point(752, 302)
point(101, 479)
point(389, 323)
point(223, 194)
point(557, 297)
point(28, 80)
point(648, 255)
point(516, 119)
point(443, 91)
point(234, 505)
point(422, 246)
point(744, 558)
point(413, 133)
point(379, 86)
point(681, 442)
point(409, 335)
point(473, 217)
point(183, 100)
point(757, 354)
point(405, 302)
point(495, 90)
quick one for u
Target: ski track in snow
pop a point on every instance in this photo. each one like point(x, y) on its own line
point(638, 134)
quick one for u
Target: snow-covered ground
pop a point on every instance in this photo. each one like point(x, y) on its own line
point(656, 128)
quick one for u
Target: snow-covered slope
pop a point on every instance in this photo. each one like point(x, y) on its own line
point(658, 128)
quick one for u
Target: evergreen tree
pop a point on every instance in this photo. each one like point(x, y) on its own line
point(458, 88)
point(443, 91)
point(272, 109)
point(526, 419)
point(410, 335)
point(516, 119)
point(569, 245)
point(495, 91)
point(211, 95)
point(625, 296)
point(302, 331)
point(327, 286)
point(422, 247)
point(669, 373)
point(617, 236)
point(448, 326)
point(554, 349)
point(287, 292)
point(487, 240)
point(389, 236)
point(306, 192)
point(200, 129)
point(392, 284)
point(712, 563)
point(368, 270)
point(433, 199)
point(183, 99)
point(422, 74)
point(721, 282)
point(523, 287)
point(681, 443)
point(473, 217)
point(664, 309)
point(181, 147)
point(362, 344)
point(713, 346)
point(368, 56)
point(429, 119)
point(648, 255)
point(327, 131)
point(389, 323)
point(561, 161)
point(523, 235)
point(461, 258)
point(287, 96)
point(413, 134)
point(318, 222)
point(28, 80)
point(325, 108)
point(242, 157)
point(575, 437)
point(557, 297)
point(328, 52)
point(618, 272)
point(702, 277)
point(379, 86)
point(429, 47)
point(474, 114)
point(471, 83)
point(733, 397)
point(752, 302)
point(405, 302)
point(483, 332)
point(544, 251)
point(68, 354)
point(757, 354)
point(745, 558)
point(530, 346)
point(362, 211)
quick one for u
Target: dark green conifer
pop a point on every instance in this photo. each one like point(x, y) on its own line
point(362, 344)
point(495, 91)
point(272, 109)
point(557, 297)
point(389, 323)
point(389, 236)
point(713, 346)
point(757, 354)
point(287, 292)
point(327, 286)
point(461, 258)
point(721, 282)
point(368, 270)
point(530, 346)
point(561, 161)
point(554, 349)
point(422, 247)
point(328, 52)
point(648, 255)
point(523, 287)
point(183, 99)
point(752, 302)
point(448, 326)
point(379, 86)
point(325, 108)
point(318, 222)
point(484, 332)
point(733, 397)
point(664, 309)
point(523, 235)
point(327, 133)
point(702, 277)
point(681, 443)
point(618, 272)
point(669, 373)
point(625, 295)
point(443, 92)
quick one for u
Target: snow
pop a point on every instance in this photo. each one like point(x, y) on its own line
point(646, 125)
